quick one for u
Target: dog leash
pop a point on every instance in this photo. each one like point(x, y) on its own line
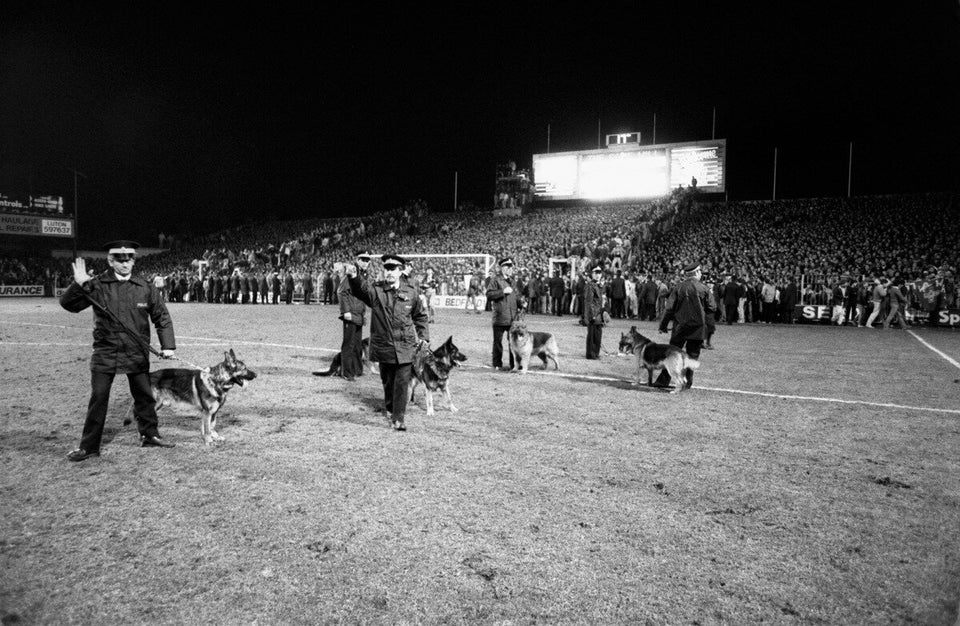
point(144, 345)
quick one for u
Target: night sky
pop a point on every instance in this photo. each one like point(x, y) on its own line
point(192, 117)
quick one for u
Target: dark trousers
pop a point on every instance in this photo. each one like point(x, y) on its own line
point(351, 351)
point(288, 297)
point(307, 297)
point(617, 308)
point(594, 337)
point(396, 382)
point(732, 313)
point(143, 407)
point(648, 311)
point(498, 332)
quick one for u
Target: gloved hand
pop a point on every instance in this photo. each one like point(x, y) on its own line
point(167, 354)
point(348, 316)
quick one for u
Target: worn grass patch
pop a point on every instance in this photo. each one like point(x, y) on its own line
point(570, 498)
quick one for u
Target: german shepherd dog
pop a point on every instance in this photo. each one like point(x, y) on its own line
point(336, 365)
point(200, 390)
point(524, 344)
point(432, 370)
point(655, 356)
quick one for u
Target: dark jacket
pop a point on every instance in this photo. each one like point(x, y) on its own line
point(135, 303)
point(556, 287)
point(395, 329)
point(592, 302)
point(503, 305)
point(648, 293)
point(687, 306)
point(618, 288)
point(351, 304)
point(732, 292)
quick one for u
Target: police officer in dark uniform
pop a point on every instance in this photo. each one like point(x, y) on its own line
point(593, 312)
point(688, 307)
point(352, 312)
point(124, 305)
point(503, 302)
point(398, 326)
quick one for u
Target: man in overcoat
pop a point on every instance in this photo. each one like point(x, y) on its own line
point(398, 327)
point(124, 305)
point(688, 307)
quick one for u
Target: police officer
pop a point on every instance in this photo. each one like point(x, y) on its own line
point(503, 302)
point(594, 308)
point(352, 312)
point(688, 307)
point(398, 326)
point(124, 305)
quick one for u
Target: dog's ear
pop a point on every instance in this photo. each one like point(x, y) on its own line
point(226, 357)
point(633, 328)
point(232, 355)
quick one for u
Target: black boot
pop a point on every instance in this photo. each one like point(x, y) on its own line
point(689, 374)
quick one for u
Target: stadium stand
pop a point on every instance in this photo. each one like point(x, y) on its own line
point(817, 244)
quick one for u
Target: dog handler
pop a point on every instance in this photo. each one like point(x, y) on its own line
point(688, 306)
point(593, 310)
point(398, 325)
point(353, 313)
point(123, 306)
point(503, 303)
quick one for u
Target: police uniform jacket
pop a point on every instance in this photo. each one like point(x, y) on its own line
point(351, 304)
point(503, 305)
point(136, 303)
point(398, 320)
point(688, 306)
point(592, 302)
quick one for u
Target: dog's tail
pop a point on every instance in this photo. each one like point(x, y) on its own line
point(334, 367)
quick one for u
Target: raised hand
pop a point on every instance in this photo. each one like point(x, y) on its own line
point(80, 271)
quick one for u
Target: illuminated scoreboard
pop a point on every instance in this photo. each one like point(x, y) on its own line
point(623, 172)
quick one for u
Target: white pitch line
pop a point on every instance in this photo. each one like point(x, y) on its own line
point(945, 357)
point(884, 405)
point(44, 343)
point(259, 343)
point(45, 325)
point(216, 339)
point(780, 396)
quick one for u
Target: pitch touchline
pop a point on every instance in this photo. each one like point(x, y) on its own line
point(945, 357)
point(229, 341)
point(885, 405)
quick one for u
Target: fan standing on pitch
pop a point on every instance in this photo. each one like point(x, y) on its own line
point(123, 304)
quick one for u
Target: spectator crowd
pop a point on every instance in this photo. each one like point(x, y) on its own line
point(761, 257)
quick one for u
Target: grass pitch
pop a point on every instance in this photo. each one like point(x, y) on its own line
point(811, 476)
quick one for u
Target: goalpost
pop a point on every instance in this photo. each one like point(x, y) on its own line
point(487, 259)
point(455, 302)
point(438, 301)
